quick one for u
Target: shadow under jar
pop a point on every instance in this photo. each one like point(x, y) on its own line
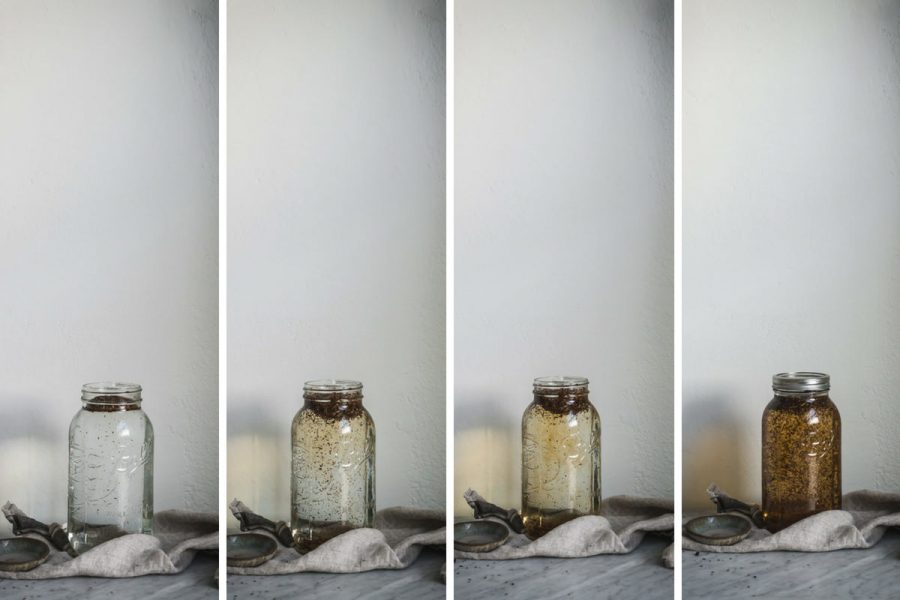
point(332, 463)
point(801, 450)
point(110, 466)
point(560, 455)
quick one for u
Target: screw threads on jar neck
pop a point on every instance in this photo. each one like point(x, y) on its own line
point(333, 399)
point(333, 390)
point(560, 386)
point(561, 393)
point(109, 396)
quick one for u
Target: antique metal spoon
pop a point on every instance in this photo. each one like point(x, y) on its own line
point(483, 509)
point(250, 520)
point(22, 523)
point(725, 503)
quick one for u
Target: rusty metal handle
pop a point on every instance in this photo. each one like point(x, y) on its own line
point(22, 524)
point(725, 503)
point(483, 509)
point(250, 520)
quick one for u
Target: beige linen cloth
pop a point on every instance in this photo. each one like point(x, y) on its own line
point(624, 522)
point(177, 537)
point(394, 542)
point(865, 517)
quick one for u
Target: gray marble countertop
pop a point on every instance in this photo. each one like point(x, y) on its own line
point(422, 580)
point(872, 573)
point(194, 583)
point(639, 574)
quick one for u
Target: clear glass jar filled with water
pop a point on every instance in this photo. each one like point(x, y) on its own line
point(332, 463)
point(110, 466)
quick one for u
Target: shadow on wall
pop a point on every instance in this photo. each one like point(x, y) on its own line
point(259, 461)
point(714, 452)
point(487, 452)
point(34, 472)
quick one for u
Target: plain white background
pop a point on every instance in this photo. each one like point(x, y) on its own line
point(791, 221)
point(336, 235)
point(108, 235)
point(563, 232)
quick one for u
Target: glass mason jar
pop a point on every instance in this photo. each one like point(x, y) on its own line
point(110, 466)
point(332, 463)
point(801, 450)
point(560, 455)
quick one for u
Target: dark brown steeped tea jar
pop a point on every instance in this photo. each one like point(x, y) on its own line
point(801, 450)
point(560, 455)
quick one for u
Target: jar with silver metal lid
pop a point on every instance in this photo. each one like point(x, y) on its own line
point(110, 466)
point(560, 455)
point(332, 463)
point(801, 450)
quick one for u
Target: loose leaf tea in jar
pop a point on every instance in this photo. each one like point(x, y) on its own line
point(110, 466)
point(801, 450)
point(560, 455)
point(332, 463)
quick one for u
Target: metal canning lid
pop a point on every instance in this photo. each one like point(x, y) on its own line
point(801, 381)
point(560, 381)
point(332, 385)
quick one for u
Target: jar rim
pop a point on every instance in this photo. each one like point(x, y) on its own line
point(110, 396)
point(560, 381)
point(332, 385)
point(110, 387)
point(801, 381)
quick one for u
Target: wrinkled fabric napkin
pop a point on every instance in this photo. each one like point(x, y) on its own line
point(395, 541)
point(865, 517)
point(624, 522)
point(177, 537)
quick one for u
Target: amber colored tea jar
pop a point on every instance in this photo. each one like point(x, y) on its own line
point(801, 450)
point(560, 455)
point(332, 463)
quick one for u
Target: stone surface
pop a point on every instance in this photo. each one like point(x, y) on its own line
point(639, 574)
point(869, 573)
point(421, 581)
point(194, 583)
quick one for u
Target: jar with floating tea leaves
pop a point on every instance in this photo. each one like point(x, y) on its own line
point(332, 463)
point(560, 455)
point(801, 450)
point(110, 466)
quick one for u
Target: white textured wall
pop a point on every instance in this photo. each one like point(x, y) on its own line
point(108, 235)
point(791, 229)
point(336, 234)
point(564, 231)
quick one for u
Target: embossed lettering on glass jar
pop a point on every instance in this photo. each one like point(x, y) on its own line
point(332, 463)
point(110, 466)
point(801, 450)
point(560, 455)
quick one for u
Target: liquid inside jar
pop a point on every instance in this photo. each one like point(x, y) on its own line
point(333, 468)
point(560, 459)
point(801, 458)
point(110, 472)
